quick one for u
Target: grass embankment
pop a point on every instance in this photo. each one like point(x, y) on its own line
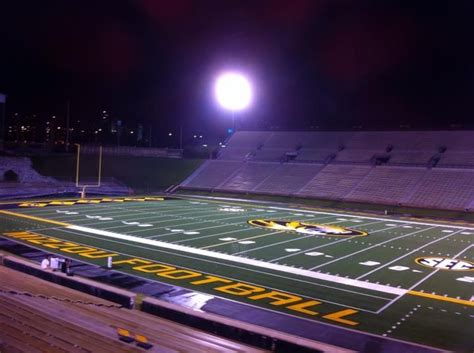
point(143, 174)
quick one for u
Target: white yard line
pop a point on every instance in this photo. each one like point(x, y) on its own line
point(370, 247)
point(328, 244)
point(242, 223)
point(435, 271)
point(390, 220)
point(212, 235)
point(407, 254)
point(226, 276)
point(91, 207)
point(233, 231)
point(247, 261)
point(175, 217)
point(113, 212)
point(394, 300)
point(236, 241)
point(278, 243)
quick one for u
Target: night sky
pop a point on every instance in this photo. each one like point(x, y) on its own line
point(327, 64)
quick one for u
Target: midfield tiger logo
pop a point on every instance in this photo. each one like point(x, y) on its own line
point(306, 228)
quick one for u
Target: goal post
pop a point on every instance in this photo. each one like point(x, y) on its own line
point(83, 187)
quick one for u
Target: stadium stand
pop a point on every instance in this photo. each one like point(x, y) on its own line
point(457, 159)
point(315, 155)
point(444, 188)
point(387, 185)
point(288, 178)
point(38, 316)
point(236, 153)
point(415, 158)
point(356, 156)
point(212, 173)
point(270, 154)
point(417, 168)
point(334, 181)
point(248, 176)
point(250, 139)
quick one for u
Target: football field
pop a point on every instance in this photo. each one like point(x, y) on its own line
point(397, 278)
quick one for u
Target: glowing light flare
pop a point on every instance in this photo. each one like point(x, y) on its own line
point(233, 91)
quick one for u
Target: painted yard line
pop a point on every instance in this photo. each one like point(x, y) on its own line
point(225, 276)
point(435, 271)
point(213, 235)
point(324, 245)
point(427, 295)
point(238, 240)
point(212, 214)
point(278, 243)
point(147, 214)
point(204, 228)
point(260, 247)
point(295, 239)
point(158, 214)
point(33, 218)
point(222, 233)
point(95, 212)
point(242, 223)
point(88, 207)
point(174, 215)
point(390, 220)
point(407, 254)
point(234, 241)
point(251, 262)
point(177, 224)
point(370, 247)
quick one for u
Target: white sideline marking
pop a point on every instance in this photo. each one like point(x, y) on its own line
point(370, 247)
point(407, 254)
point(374, 218)
point(233, 278)
point(252, 262)
point(420, 282)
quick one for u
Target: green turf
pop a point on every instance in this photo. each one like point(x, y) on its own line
point(388, 252)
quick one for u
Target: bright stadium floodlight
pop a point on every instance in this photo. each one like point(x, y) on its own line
point(233, 92)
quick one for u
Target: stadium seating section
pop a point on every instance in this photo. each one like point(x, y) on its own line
point(38, 316)
point(432, 169)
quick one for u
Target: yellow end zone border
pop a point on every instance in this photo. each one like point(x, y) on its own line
point(39, 219)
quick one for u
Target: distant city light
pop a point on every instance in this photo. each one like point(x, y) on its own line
point(233, 91)
point(170, 134)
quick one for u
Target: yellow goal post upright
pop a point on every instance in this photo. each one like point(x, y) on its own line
point(83, 187)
